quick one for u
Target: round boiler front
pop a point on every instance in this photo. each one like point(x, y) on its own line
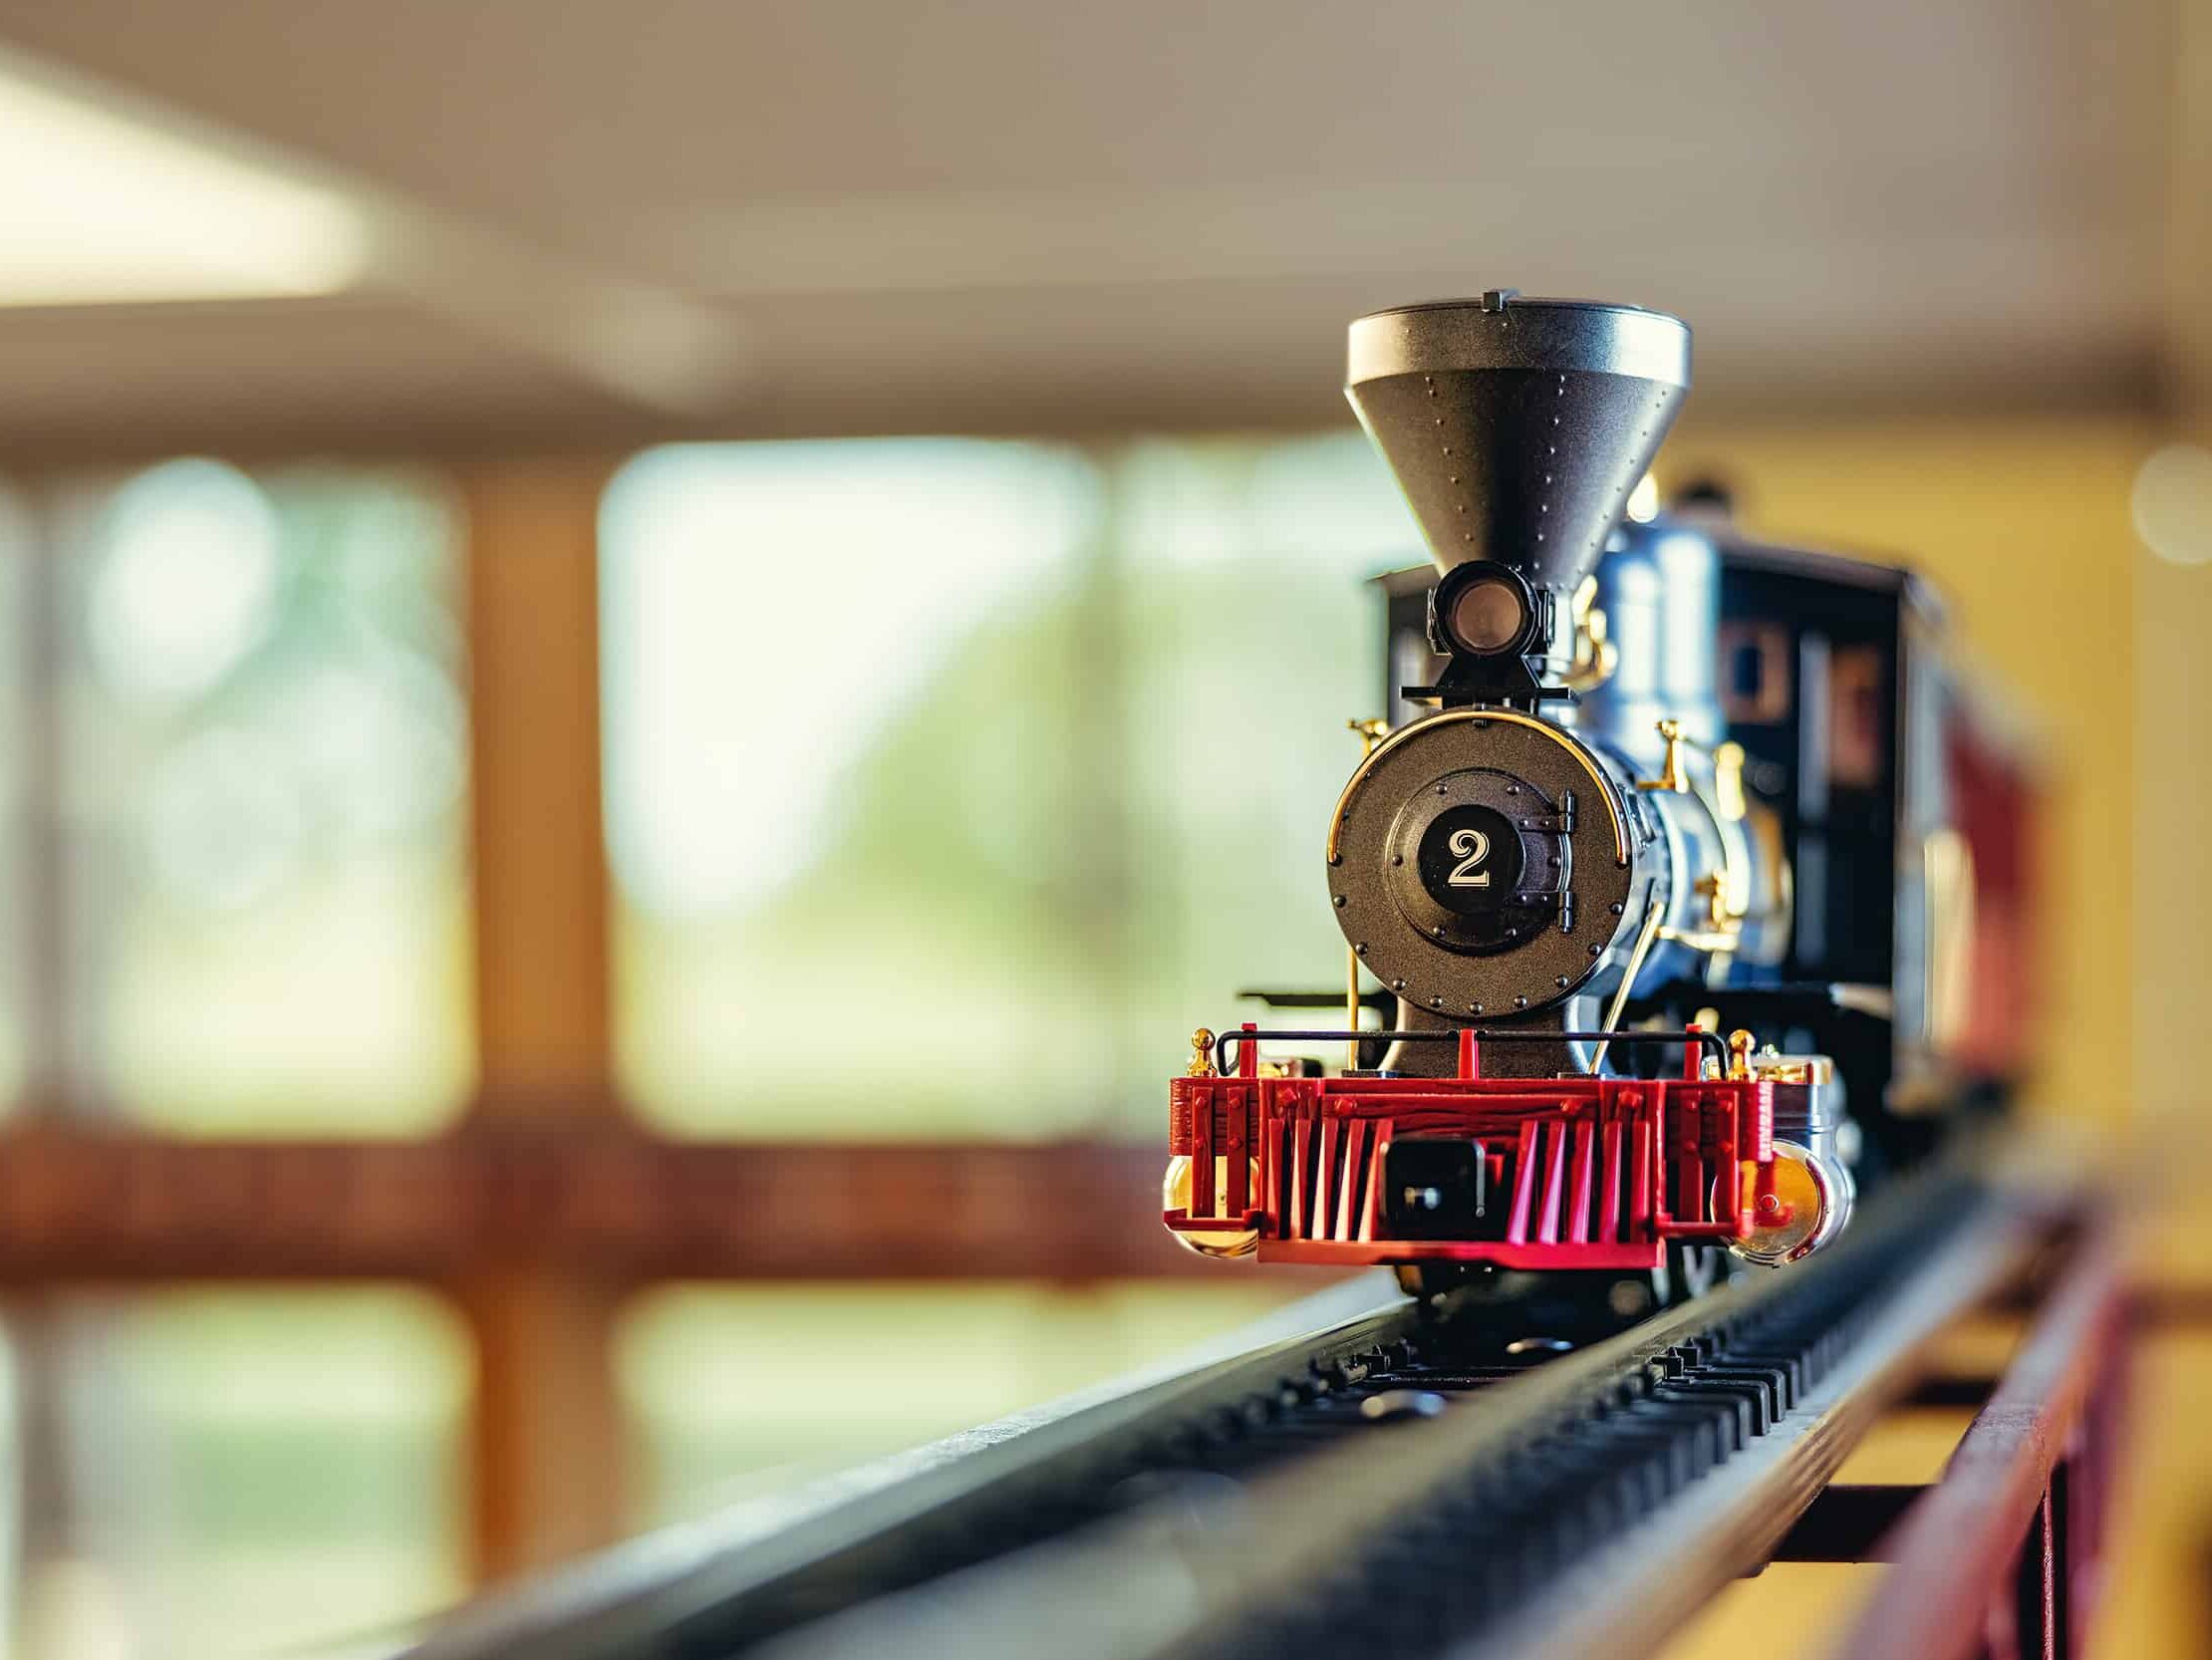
point(1482, 863)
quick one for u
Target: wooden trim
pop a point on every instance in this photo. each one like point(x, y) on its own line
point(546, 1435)
point(572, 1197)
point(538, 861)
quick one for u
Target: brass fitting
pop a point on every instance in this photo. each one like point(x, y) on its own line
point(1671, 773)
point(1728, 782)
point(1595, 656)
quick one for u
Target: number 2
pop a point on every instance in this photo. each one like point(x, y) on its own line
point(1470, 847)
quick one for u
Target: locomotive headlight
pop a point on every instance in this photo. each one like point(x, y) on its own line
point(1225, 1241)
point(1484, 610)
point(1804, 1204)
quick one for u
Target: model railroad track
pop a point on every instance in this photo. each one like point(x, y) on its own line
point(1389, 1477)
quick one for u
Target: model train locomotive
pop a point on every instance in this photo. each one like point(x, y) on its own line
point(1648, 779)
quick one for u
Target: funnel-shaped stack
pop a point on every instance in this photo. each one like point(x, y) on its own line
point(1517, 428)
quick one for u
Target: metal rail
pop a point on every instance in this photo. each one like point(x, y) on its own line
point(1379, 1479)
point(1584, 1509)
point(1624, 1601)
point(873, 1531)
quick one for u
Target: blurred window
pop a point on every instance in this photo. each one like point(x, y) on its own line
point(17, 541)
point(1251, 637)
point(262, 784)
point(839, 691)
point(238, 1473)
point(933, 764)
point(708, 1375)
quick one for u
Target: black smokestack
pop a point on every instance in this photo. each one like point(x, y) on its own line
point(1517, 428)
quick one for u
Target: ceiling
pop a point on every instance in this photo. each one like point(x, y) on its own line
point(606, 221)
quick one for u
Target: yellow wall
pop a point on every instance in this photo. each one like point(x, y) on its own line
point(2173, 815)
point(2024, 527)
